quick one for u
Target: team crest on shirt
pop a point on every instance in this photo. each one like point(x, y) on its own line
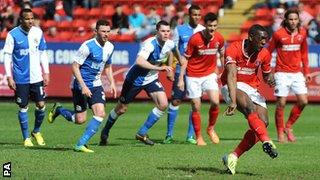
point(217, 45)
point(258, 62)
point(300, 37)
point(78, 108)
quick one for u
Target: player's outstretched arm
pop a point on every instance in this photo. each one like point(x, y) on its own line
point(269, 79)
point(76, 72)
point(109, 72)
point(142, 62)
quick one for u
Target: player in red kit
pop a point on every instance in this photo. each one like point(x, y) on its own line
point(240, 83)
point(292, 51)
point(201, 54)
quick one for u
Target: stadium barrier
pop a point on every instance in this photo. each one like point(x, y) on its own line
point(61, 57)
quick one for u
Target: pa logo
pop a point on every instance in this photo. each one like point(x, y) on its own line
point(6, 169)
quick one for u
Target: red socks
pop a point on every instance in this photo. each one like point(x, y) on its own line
point(196, 120)
point(213, 116)
point(294, 115)
point(249, 140)
point(258, 126)
point(279, 116)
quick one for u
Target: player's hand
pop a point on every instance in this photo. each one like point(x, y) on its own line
point(113, 90)
point(308, 78)
point(166, 68)
point(46, 79)
point(180, 84)
point(270, 80)
point(86, 91)
point(11, 83)
point(170, 76)
point(231, 109)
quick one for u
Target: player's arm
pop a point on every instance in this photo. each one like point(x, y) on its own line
point(109, 72)
point(7, 55)
point(81, 56)
point(266, 70)
point(170, 74)
point(231, 69)
point(305, 61)
point(221, 51)
point(44, 61)
point(183, 63)
point(144, 54)
point(272, 43)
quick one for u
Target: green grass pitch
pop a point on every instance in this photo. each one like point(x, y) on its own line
point(125, 158)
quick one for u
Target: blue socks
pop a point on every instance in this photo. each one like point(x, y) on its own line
point(39, 116)
point(66, 113)
point(190, 128)
point(153, 117)
point(91, 129)
point(172, 116)
point(113, 116)
point(23, 119)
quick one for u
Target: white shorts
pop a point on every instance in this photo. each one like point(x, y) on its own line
point(253, 94)
point(197, 85)
point(289, 82)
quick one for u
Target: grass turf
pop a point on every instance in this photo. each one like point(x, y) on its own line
point(127, 158)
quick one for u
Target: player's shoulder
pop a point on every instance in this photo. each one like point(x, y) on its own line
point(182, 27)
point(169, 43)
point(36, 29)
point(150, 43)
point(265, 52)
point(236, 44)
point(109, 45)
point(218, 35)
point(303, 31)
point(15, 31)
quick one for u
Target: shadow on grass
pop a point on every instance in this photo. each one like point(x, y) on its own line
point(194, 170)
point(51, 148)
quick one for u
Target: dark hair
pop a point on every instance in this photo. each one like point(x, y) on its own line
point(162, 22)
point(193, 7)
point(253, 30)
point(285, 23)
point(24, 11)
point(210, 17)
point(102, 22)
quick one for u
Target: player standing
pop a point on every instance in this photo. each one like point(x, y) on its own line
point(92, 58)
point(181, 37)
point(24, 53)
point(292, 51)
point(240, 83)
point(201, 76)
point(143, 75)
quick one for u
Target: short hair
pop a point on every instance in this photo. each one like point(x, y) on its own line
point(162, 22)
point(102, 22)
point(193, 7)
point(24, 11)
point(210, 17)
point(285, 23)
point(253, 30)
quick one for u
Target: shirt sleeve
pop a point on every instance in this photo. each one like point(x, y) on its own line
point(43, 44)
point(7, 54)
point(272, 43)
point(231, 54)
point(82, 54)
point(265, 66)
point(190, 47)
point(146, 50)
point(175, 36)
point(110, 49)
point(221, 44)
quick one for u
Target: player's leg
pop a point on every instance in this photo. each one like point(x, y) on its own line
point(281, 91)
point(177, 95)
point(97, 104)
point(128, 93)
point(194, 93)
point(211, 87)
point(156, 92)
point(279, 118)
point(300, 89)
point(38, 95)
point(22, 98)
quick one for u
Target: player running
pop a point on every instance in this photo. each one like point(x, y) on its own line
point(292, 51)
point(92, 58)
point(143, 75)
point(240, 83)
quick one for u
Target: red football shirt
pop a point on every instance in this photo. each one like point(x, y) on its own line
point(202, 55)
point(247, 67)
point(292, 50)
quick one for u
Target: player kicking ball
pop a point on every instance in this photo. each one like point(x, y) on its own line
point(240, 83)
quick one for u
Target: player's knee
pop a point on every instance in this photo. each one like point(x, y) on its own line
point(122, 110)
point(101, 114)
point(40, 105)
point(303, 103)
point(281, 104)
point(163, 106)
point(80, 120)
point(176, 102)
